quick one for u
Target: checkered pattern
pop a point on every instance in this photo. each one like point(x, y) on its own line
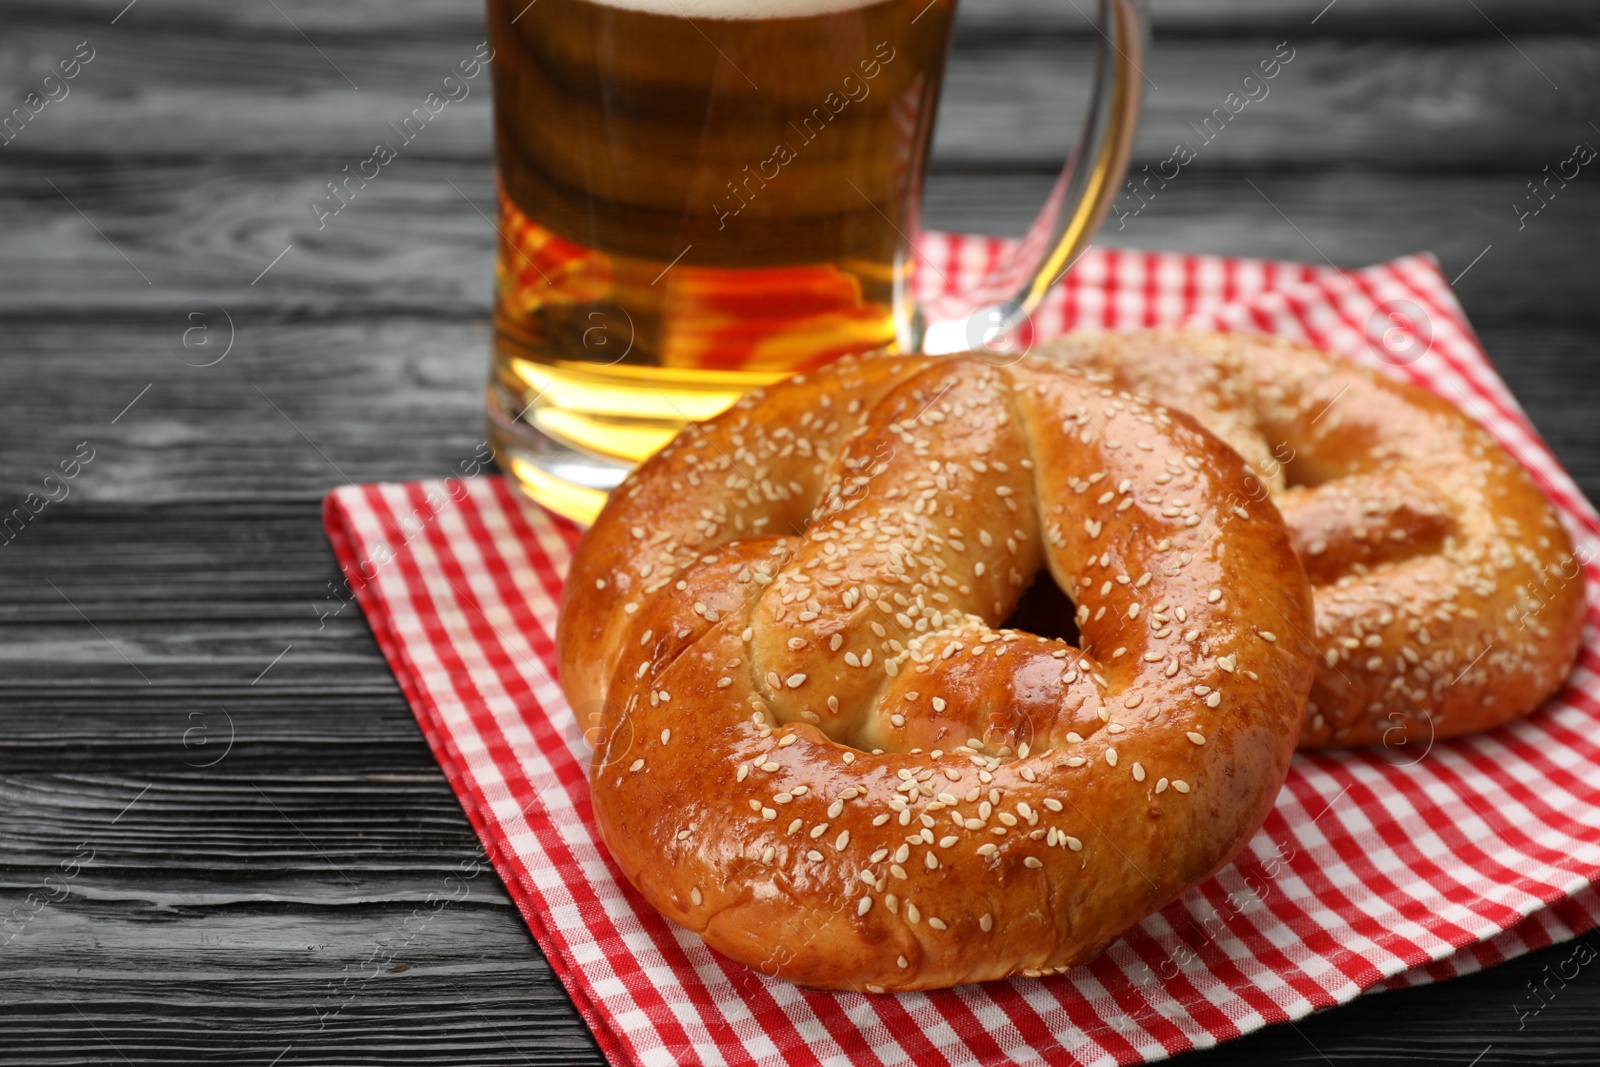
point(1376, 869)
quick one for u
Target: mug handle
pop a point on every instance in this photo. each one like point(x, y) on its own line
point(1006, 296)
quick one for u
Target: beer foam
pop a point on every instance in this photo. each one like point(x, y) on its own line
point(738, 9)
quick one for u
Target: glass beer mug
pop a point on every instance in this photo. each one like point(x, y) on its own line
point(698, 197)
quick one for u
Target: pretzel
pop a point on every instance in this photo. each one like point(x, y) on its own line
point(823, 751)
point(1448, 597)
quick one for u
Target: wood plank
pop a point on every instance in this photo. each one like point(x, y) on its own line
point(423, 1015)
point(159, 91)
point(422, 18)
point(1537, 274)
point(208, 436)
point(1299, 18)
point(296, 408)
point(414, 244)
point(245, 830)
point(1435, 105)
point(167, 964)
point(443, 977)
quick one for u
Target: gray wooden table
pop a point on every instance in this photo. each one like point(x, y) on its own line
point(217, 816)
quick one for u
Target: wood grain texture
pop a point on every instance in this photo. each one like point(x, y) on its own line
point(155, 90)
point(285, 897)
point(1223, 17)
point(155, 237)
point(210, 435)
point(277, 904)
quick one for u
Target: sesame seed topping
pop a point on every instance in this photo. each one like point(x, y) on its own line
point(1196, 737)
point(1032, 862)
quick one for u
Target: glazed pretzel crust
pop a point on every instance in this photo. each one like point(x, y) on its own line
point(824, 753)
point(1448, 597)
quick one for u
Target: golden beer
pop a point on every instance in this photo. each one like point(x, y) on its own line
point(696, 197)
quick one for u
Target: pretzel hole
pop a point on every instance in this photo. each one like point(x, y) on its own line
point(1045, 610)
point(1303, 471)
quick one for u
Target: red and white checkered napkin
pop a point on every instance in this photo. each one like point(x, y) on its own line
point(1377, 868)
